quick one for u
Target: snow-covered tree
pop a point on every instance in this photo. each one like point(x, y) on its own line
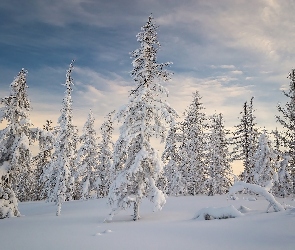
point(42, 160)
point(264, 162)
point(175, 182)
point(193, 146)
point(145, 116)
point(8, 201)
point(245, 140)
point(287, 120)
point(88, 159)
point(283, 183)
point(16, 138)
point(106, 172)
point(217, 157)
point(278, 143)
point(63, 159)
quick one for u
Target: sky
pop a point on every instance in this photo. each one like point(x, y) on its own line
point(228, 50)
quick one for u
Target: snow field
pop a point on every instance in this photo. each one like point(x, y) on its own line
point(81, 226)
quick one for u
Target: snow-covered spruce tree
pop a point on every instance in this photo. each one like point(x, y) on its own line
point(283, 184)
point(42, 160)
point(278, 143)
point(142, 118)
point(175, 182)
point(193, 146)
point(106, 171)
point(264, 162)
point(16, 138)
point(8, 201)
point(63, 158)
point(217, 157)
point(88, 160)
point(287, 120)
point(245, 139)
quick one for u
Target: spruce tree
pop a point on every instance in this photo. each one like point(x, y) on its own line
point(245, 140)
point(264, 162)
point(287, 120)
point(193, 147)
point(106, 171)
point(175, 182)
point(16, 138)
point(145, 116)
point(62, 166)
point(283, 184)
point(88, 160)
point(42, 160)
point(217, 157)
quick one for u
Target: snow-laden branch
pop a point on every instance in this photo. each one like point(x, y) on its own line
point(241, 185)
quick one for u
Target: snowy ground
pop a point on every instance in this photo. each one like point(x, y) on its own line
point(81, 226)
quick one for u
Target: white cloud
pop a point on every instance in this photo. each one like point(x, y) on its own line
point(237, 72)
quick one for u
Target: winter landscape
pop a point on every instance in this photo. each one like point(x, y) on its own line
point(149, 177)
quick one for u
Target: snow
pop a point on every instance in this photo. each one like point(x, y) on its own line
point(211, 213)
point(240, 186)
point(81, 226)
point(4, 169)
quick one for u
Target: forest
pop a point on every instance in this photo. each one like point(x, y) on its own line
point(197, 157)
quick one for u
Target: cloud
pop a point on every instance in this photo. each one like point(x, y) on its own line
point(237, 72)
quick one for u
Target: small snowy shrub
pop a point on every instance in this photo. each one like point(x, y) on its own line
point(8, 203)
point(211, 213)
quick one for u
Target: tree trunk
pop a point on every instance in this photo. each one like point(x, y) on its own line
point(136, 210)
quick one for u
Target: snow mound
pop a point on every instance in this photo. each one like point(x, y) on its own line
point(244, 209)
point(107, 231)
point(211, 213)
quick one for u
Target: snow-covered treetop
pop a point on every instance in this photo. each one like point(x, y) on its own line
point(17, 104)
point(69, 79)
point(145, 68)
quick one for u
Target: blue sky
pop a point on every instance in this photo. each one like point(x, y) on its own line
point(228, 50)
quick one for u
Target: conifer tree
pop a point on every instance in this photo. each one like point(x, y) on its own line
point(264, 162)
point(217, 157)
point(42, 160)
point(63, 161)
point(193, 147)
point(283, 184)
point(175, 182)
point(278, 143)
point(16, 138)
point(287, 120)
point(142, 119)
point(245, 140)
point(106, 171)
point(88, 159)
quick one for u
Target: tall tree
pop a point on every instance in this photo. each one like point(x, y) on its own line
point(193, 147)
point(106, 171)
point(16, 138)
point(287, 120)
point(145, 116)
point(175, 182)
point(88, 159)
point(217, 158)
point(63, 160)
point(245, 139)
